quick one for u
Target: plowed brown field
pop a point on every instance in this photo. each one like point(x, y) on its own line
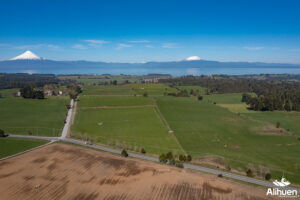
point(61, 171)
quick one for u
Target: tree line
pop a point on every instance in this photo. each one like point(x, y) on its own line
point(279, 95)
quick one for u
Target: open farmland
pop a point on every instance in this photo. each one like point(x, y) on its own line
point(223, 138)
point(38, 117)
point(107, 90)
point(98, 101)
point(195, 88)
point(99, 79)
point(11, 146)
point(69, 172)
point(152, 89)
point(133, 128)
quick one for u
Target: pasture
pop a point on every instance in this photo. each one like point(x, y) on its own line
point(97, 101)
point(11, 146)
point(32, 116)
point(152, 89)
point(231, 98)
point(107, 90)
point(197, 89)
point(288, 120)
point(132, 128)
point(205, 129)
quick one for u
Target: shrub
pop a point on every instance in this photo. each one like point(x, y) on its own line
point(162, 158)
point(182, 158)
point(268, 176)
point(145, 94)
point(124, 153)
point(143, 151)
point(169, 156)
point(249, 173)
point(277, 124)
point(220, 175)
point(189, 158)
point(2, 133)
point(180, 165)
point(200, 97)
point(68, 106)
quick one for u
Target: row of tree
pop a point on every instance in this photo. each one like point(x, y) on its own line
point(269, 95)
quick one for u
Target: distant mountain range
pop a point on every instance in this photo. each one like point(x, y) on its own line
point(34, 64)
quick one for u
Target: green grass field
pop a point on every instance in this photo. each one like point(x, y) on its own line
point(40, 117)
point(128, 89)
point(233, 98)
point(206, 129)
point(94, 101)
point(11, 146)
point(139, 127)
point(198, 89)
point(288, 120)
point(152, 89)
point(107, 90)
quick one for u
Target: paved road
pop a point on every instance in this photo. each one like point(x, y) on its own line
point(149, 158)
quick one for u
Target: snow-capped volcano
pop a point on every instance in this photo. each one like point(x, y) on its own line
point(193, 58)
point(28, 55)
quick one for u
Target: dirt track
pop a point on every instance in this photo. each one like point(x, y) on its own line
point(61, 171)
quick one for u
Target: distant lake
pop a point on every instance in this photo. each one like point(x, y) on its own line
point(173, 71)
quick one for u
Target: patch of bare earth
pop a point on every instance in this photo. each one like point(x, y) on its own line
point(271, 130)
point(61, 171)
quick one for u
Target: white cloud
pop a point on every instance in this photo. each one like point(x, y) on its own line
point(96, 43)
point(253, 48)
point(53, 47)
point(32, 46)
point(121, 46)
point(149, 46)
point(78, 46)
point(191, 58)
point(139, 41)
point(169, 45)
point(37, 46)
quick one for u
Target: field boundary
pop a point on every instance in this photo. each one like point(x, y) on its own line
point(165, 123)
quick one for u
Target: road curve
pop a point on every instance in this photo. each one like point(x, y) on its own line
point(149, 158)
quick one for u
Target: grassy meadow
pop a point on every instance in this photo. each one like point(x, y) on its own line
point(107, 90)
point(135, 127)
point(152, 89)
point(98, 101)
point(40, 117)
point(11, 146)
point(205, 129)
point(197, 89)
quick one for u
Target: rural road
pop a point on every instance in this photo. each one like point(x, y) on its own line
point(68, 121)
point(149, 158)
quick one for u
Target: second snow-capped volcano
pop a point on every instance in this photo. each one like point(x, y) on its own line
point(28, 55)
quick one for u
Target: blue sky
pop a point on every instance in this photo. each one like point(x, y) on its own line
point(144, 30)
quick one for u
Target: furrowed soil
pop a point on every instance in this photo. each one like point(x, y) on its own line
point(61, 171)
